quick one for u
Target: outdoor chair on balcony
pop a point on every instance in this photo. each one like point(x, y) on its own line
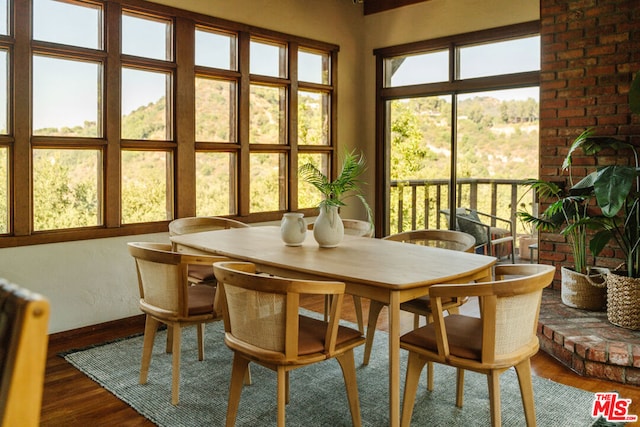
point(490, 240)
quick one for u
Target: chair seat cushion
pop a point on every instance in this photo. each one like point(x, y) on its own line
point(466, 224)
point(422, 305)
point(202, 273)
point(201, 299)
point(312, 332)
point(464, 334)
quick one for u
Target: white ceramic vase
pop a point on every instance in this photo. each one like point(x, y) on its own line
point(328, 229)
point(293, 229)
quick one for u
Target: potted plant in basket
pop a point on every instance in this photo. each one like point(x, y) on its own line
point(328, 229)
point(616, 188)
point(582, 286)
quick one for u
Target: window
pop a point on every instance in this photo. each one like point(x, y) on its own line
point(64, 194)
point(459, 113)
point(84, 18)
point(76, 87)
point(160, 120)
point(146, 97)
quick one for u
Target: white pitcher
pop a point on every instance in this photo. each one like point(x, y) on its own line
point(293, 229)
point(328, 229)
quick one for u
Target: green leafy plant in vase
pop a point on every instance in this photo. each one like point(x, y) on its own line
point(328, 229)
point(616, 189)
point(582, 286)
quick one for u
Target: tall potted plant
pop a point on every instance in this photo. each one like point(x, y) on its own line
point(581, 286)
point(616, 188)
point(328, 229)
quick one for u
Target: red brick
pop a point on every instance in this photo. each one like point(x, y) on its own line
point(614, 373)
point(635, 350)
point(578, 365)
point(595, 370)
point(632, 376)
point(619, 354)
point(598, 353)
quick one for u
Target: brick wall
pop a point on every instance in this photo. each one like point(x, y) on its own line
point(590, 52)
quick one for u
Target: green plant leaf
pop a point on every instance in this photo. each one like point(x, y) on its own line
point(599, 241)
point(577, 143)
point(612, 186)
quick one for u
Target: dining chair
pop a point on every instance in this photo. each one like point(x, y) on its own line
point(263, 325)
point(445, 239)
point(490, 239)
point(200, 274)
point(353, 227)
point(24, 318)
point(167, 297)
point(503, 337)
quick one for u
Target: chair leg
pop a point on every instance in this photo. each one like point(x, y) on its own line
point(414, 368)
point(493, 378)
point(238, 372)
point(459, 387)
point(327, 305)
point(348, 365)
point(523, 369)
point(282, 395)
point(175, 368)
point(150, 328)
point(169, 339)
point(200, 334)
point(357, 303)
point(286, 387)
point(374, 311)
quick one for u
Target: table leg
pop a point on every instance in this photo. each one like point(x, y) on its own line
point(394, 359)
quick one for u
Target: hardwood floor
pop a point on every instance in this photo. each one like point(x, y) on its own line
point(72, 399)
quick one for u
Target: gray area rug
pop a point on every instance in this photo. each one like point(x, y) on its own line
point(318, 397)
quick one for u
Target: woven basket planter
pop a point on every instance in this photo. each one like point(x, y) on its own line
point(623, 305)
point(584, 291)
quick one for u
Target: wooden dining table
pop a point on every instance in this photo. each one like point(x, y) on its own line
point(386, 271)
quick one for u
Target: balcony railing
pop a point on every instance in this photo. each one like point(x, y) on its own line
point(417, 204)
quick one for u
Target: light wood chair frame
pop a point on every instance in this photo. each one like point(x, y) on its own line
point(24, 316)
point(511, 281)
point(243, 275)
point(173, 309)
point(197, 224)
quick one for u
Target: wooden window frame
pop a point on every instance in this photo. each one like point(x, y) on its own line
point(20, 142)
point(453, 86)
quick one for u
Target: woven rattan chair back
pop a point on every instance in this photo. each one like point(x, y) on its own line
point(263, 325)
point(503, 337)
point(167, 297)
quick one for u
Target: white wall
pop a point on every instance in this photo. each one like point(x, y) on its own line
point(94, 281)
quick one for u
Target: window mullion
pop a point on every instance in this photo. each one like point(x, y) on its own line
point(112, 117)
point(292, 189)
point(244, 177)
point(21, 164)
point(184, 129)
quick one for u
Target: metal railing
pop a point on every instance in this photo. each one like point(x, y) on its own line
point(417, 204)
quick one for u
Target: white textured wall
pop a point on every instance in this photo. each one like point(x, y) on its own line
point(94, 281)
